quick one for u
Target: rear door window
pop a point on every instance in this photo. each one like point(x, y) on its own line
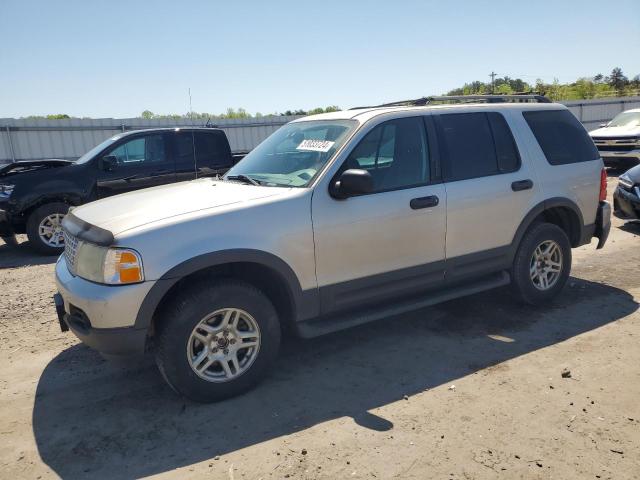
point(561, 136)
point(468, 143)
point(476, 145)
point(212, 149)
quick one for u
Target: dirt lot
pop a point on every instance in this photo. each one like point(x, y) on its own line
point(469, 389)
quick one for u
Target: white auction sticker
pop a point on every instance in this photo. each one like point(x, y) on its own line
point(315, 145)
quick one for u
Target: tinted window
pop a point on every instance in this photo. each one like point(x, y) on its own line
point(468, 142)
point(395, 153)
point(212, 149)
point(149, 149)
point(184, 148)
point(506, 150)
point(561, 136)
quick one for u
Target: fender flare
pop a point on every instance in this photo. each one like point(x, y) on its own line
point(169, 279)
point(537, 210)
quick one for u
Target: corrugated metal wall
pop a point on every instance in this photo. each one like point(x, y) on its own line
point(35, 139)
point(594, 112)
point(28, 139)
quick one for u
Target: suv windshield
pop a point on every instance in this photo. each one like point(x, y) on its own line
point(625, 119)
point(293, 155)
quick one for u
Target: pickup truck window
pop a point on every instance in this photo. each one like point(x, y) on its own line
point(293, 155)
point(625, 119)
point(212, 149)
point(148, 149)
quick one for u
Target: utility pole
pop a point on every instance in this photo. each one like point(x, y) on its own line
point(190, 109)
point(493, 81)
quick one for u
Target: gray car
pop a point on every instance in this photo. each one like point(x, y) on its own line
point(335, 220)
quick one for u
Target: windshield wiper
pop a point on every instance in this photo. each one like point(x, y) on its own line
point(243, 178)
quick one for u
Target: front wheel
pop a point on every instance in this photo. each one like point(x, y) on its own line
point(217, 340)
point(44, 228)
point(542, 264)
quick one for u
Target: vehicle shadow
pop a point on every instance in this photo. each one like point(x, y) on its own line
point(22, 255)
point(92, 418)
point(631, 226)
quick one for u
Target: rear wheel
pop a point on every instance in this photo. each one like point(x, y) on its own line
point(542, 264)
point(217, 340)
point(44, 228)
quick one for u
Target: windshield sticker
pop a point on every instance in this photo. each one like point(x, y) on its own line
point(315, 145)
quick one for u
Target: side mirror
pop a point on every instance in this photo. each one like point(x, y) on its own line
point(108, 163)
point(602, 125)
point(352, 182)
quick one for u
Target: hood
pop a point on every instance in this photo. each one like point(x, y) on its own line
point(134, 209)
point(31, 166)
point(606, 132)
point(633, 174)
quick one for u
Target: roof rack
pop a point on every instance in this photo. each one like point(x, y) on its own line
point(418, 102)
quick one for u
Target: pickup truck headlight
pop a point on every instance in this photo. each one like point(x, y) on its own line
point(111, 266)
point(625, 181)
point(5, 190)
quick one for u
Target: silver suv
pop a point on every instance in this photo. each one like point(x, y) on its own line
point(334, 220)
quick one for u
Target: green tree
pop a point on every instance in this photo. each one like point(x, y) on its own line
point(147, 114)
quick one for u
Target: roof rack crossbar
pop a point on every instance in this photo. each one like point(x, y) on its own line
point(513, 98)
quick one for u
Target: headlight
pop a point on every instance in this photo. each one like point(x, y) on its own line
point(112, 266)
point(5, 190)
point(625, 181)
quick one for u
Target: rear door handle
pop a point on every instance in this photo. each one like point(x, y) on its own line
point(522, 185)
point(424, 202)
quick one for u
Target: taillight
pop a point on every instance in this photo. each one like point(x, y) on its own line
point(603, 185)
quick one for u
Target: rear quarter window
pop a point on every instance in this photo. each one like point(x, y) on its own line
point(561, 136)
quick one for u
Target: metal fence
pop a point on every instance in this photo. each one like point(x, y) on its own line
point(28, 139)
point(594, 112)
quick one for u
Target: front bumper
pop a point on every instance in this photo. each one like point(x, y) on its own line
point(6, 230)
point(101, 316)
point(626, 203)
point(612, 157)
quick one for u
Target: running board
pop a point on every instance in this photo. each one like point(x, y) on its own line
point(324, 325)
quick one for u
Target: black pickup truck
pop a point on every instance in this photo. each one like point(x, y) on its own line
point(35, 195)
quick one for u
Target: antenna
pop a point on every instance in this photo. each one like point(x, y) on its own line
point(190, 108)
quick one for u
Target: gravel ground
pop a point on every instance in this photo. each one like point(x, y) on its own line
point(470, 389)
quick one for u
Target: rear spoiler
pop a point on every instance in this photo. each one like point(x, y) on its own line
point(86, 231)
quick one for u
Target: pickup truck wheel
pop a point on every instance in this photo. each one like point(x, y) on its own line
point(44, 228)
point(217, 340)
point(542, 264)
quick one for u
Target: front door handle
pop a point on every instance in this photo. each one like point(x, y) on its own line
point(522, 185)
point(424, 202)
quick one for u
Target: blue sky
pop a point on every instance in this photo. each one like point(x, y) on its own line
point(117, 58)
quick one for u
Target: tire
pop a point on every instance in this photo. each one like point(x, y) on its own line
point(11, 241)
point(37, 241)
point(529, 284)
point(177, 346)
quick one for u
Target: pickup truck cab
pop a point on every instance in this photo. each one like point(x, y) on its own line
point(334, 220)
point(619, 140)
point(35, 195)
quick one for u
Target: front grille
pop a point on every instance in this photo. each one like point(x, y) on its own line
point(615, 148)
point(615, 140)
point(70, 251)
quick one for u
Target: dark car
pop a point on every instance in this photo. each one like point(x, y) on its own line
point(626, 198)
point(35, 195)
